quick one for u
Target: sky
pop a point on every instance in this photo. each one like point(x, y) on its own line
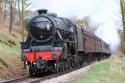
point(103, 14)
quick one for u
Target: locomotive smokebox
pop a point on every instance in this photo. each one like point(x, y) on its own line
point(42, 11)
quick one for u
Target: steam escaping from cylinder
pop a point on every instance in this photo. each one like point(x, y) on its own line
point(103, 14)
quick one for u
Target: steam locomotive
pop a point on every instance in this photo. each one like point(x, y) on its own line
point(56, 44)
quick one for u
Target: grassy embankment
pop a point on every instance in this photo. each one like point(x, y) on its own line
point(107, 71)
point(10, 63)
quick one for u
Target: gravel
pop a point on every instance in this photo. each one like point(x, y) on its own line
point(69, 77)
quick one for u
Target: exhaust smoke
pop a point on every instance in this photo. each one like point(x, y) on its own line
point(106, 30)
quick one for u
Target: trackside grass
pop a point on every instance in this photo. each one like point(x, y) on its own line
point(106, 71)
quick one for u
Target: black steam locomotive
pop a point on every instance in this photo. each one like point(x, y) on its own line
point(54, 44)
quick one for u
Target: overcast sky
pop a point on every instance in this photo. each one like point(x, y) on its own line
point(103, 14)
point(78, 8)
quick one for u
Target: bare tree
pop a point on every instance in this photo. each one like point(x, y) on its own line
point(1, 8)
point(12, 6)
point(22, 20)
point(11, 15)
point(22, 6)
point(6, 8)
point(122, 4)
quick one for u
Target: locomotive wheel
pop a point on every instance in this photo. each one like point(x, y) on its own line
point(66, 66)
point(60, 69)
point(31, 72)
point(72, 64)
point(69, 64)
point(75, 61)
point(63, 66)
point(81, 60)
point(78, 64)
point(57, 68)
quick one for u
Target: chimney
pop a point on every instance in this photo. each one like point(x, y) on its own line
point(42, 11)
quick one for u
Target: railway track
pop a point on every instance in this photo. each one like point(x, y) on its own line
point(17, 79)
point(37, 79)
